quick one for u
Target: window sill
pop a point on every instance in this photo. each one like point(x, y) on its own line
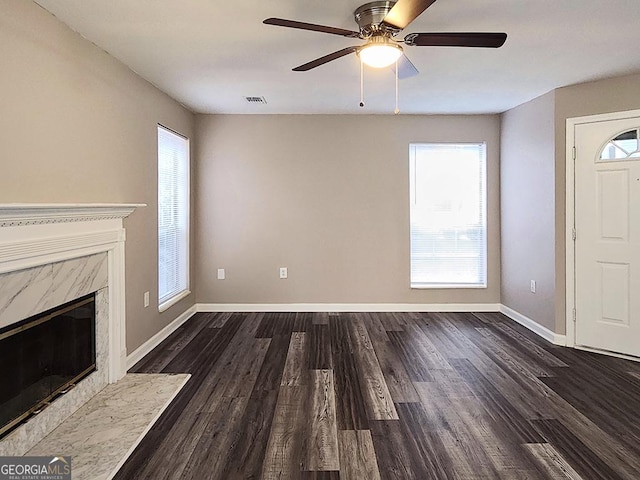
point(422, 286)
point(173, 300)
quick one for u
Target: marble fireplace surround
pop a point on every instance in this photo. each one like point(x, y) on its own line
point(51, 254)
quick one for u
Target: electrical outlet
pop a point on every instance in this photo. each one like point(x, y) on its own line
point(146, 299)
point(533, 286)
point(283, 272)
point(221, 274)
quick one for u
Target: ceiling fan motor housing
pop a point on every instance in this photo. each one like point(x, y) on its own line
point(369, 18)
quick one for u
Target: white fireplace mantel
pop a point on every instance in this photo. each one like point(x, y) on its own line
point(20, 214)
point(51, 254)
point(33, 235)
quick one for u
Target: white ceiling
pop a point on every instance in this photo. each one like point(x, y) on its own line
point(210, 54)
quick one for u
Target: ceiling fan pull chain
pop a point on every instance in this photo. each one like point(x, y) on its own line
point(397, 110)
point(361, 83)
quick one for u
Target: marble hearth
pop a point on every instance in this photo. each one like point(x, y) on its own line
point(52, 254)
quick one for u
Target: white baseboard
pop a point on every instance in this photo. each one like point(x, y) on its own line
point(534, 326)
point(137, 355)
point(348, 307)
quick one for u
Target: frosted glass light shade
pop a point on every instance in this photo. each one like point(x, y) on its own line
point(380, 55)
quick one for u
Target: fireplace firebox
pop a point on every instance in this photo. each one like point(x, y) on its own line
point(44, 356)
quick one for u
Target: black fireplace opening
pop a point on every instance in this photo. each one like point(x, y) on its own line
point(43, 357)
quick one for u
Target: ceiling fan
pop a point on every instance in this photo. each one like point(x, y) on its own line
point(379, 22)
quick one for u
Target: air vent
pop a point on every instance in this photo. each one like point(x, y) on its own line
point(256, 100)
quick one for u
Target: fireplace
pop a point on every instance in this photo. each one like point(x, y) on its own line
point(43, 357)
point(51, 255)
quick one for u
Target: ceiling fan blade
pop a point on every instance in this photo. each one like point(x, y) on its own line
point(281, 22)
point(327, 58)
point(406, 69)
point(405, 11)
point(461, 39)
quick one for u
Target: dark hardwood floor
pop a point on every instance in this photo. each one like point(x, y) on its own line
point(386, 396)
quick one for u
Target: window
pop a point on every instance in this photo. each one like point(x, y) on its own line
point(625, 146)
point(173, 217)
point(448, 215)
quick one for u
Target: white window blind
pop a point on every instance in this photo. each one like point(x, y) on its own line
point(448, 215)
point(173, 217)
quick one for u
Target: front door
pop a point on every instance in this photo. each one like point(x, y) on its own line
point(607, 246)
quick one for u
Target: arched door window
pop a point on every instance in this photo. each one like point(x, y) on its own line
point(624, 146)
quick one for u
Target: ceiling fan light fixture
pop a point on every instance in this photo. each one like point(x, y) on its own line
point(380, 54)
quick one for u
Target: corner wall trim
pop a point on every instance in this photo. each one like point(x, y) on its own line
point(348, 307)
point(534, 326)
point(139, 353)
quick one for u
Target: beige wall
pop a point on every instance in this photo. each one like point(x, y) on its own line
point(526, 135)
point(527, 206)
point(327, 197)
point(78, 126)
point(604, 96)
